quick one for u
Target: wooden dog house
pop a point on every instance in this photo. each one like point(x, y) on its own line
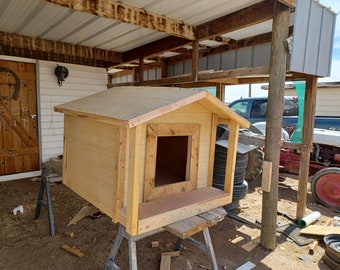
point(144, 155)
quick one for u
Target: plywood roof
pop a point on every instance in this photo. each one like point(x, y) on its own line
point(135, 105)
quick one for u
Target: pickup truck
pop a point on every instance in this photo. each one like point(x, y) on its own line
point(254, 109)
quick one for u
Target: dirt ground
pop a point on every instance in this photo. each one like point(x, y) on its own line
point(26, 243)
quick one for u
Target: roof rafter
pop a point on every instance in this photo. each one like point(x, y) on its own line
point(128, 14)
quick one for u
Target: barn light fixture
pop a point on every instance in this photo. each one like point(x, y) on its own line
point(61, 72)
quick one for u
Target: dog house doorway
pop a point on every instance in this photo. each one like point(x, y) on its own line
point(171, 161)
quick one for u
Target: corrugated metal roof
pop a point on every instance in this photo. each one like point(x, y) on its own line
point(37, 18)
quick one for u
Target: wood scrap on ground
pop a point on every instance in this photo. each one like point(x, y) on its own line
point(73, 250)
point(166, 259)
point(320, 230)
point(85, 211)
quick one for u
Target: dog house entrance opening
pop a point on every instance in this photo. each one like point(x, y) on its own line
point(172, 160)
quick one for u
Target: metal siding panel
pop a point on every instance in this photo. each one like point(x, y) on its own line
point(170, 70)
point(178, 69)
point(244, 57)
point(326, 44)
point(214, 62)
point(301, 22)
point(187, 67)
point(203, 63)
point(151, 74)
point(261, 55)
point(158, 73)
point(228, 60)
point(313, 39)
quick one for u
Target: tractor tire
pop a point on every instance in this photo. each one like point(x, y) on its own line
point(255, 164)
point(325, 185)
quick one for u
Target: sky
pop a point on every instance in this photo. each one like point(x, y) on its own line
point(236, 92)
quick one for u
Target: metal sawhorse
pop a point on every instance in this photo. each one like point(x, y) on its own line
point(183, 229)
point(45, 186)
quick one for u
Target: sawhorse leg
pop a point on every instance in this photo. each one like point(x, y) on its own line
point(208, 247)
point(110, 263)
point(45, 185)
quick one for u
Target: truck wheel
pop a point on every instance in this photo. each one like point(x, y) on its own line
point(255, 164)
point(325, 185)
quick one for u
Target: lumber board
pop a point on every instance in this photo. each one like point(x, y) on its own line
point(266, 175)
point(133, 183)
point(192, 225)
point(165, 262)
point(320, 230)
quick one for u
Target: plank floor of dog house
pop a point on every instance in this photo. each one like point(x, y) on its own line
point(158, 213)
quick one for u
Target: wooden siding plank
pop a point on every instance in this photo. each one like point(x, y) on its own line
point(88, 166)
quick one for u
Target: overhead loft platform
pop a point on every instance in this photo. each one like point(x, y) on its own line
point(209, 78)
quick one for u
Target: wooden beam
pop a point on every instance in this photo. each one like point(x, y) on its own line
point(306, 145)
point(43, 49)
point(129, 14)
point(154, 48)
point(289, 3)
point(212, 77)
point(278, 61)
point(250, 16)
point(141, 69)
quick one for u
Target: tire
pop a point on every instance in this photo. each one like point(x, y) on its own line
point(231, 206)
point(325, 185)
point(239, 191)
point(255, 164)
point(220, 163)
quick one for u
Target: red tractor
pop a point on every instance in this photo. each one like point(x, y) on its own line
point(324, 168)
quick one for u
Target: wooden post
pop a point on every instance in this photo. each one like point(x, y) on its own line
point(231, 158)
point(278, 61)
point(219, 91)
point(306, 145)
point(141, 69)
point(195, 56)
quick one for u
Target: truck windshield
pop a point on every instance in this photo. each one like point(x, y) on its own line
point(291, 107)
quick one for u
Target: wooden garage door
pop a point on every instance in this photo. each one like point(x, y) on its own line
point(19, 147)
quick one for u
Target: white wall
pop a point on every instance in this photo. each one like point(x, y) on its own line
point(81, 81)
point(327, 100)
